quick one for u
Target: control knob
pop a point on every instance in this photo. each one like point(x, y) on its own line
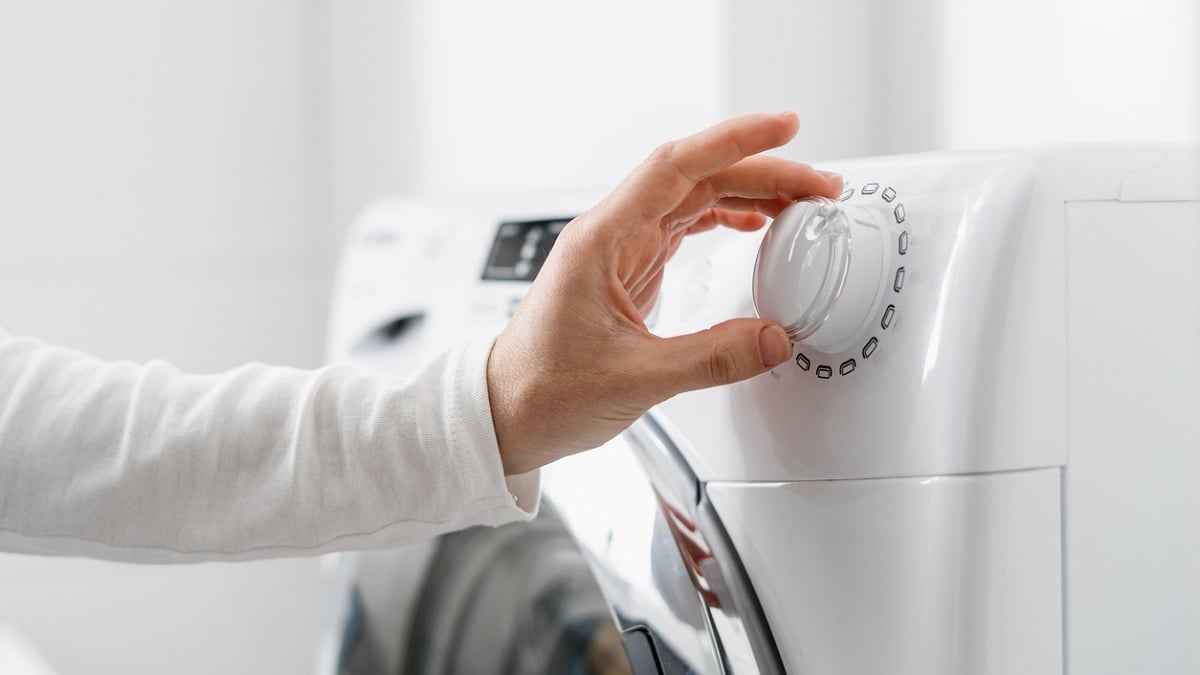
point(821, 272)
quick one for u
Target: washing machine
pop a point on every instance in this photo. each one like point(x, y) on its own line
point(982, 457)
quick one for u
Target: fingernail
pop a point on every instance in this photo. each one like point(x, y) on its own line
point(774, 346)
point(832, 176)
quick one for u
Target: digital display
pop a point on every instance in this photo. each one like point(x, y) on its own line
point(521, 247)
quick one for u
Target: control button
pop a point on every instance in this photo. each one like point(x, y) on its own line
point(847, 194)
point(888, 194)
point(899, 280)
point(888, 315)
point(824, 372)
point(803, 362)
point(900, 213)
point(847, 367)
point(904, 242)
point(870, 188)
point(869, 348)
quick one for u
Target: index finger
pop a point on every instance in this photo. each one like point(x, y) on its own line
point(667, 176)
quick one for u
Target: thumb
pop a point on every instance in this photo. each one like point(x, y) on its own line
point(728, 352)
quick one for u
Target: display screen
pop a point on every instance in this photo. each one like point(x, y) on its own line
point(521, 248)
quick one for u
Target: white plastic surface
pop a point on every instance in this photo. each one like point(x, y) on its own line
point(969, 375)
point(930, 397)
point(1176, 178)
point(19, 656)
point(907, 576)
point(1132, 481)
point(409, 257)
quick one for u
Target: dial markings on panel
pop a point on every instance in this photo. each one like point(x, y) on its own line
point(869, 348)
point(888, 315)
point(803, 362)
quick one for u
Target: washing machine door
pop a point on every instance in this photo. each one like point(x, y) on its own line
point(626, 570)
point(512, 600)
point(660, 554)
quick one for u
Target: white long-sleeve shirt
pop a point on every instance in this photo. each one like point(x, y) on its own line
point(144, 463)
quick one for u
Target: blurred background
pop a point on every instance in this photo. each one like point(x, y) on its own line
point(176, 178)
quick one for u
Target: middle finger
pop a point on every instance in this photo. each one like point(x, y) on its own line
point(756, 178)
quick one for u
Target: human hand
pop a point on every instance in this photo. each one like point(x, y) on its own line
point(576, 365)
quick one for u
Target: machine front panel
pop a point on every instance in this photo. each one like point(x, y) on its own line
point(906, 576)
point(920, 389)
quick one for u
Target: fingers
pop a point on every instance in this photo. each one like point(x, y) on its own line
point(672, 170)
point(728, 352)
point(701, 155)
point(775, 177)
point(767, 207)
point(757, 183)
point(745, 220)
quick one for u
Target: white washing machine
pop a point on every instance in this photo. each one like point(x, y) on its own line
point(984, 456)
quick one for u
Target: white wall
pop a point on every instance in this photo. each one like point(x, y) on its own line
point(876, 76)
point(816, 58)
point(468, 98)
point(158, 182)
point(1022, 71)
point(161, 196)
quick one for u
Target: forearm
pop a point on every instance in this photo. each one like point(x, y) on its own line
point(142, 462)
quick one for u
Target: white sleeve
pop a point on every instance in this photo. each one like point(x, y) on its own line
point(143, 463)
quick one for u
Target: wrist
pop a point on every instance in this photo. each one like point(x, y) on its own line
point(506, 398)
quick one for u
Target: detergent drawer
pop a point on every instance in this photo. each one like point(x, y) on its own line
point(939, 575)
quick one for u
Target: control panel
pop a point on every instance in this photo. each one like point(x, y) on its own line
point(520, 248)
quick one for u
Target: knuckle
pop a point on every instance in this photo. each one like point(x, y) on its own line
point(722, 365)
point(667, 159)
point(662, 154)
point(738, 147)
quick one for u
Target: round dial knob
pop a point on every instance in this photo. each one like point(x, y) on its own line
point(820, 272)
